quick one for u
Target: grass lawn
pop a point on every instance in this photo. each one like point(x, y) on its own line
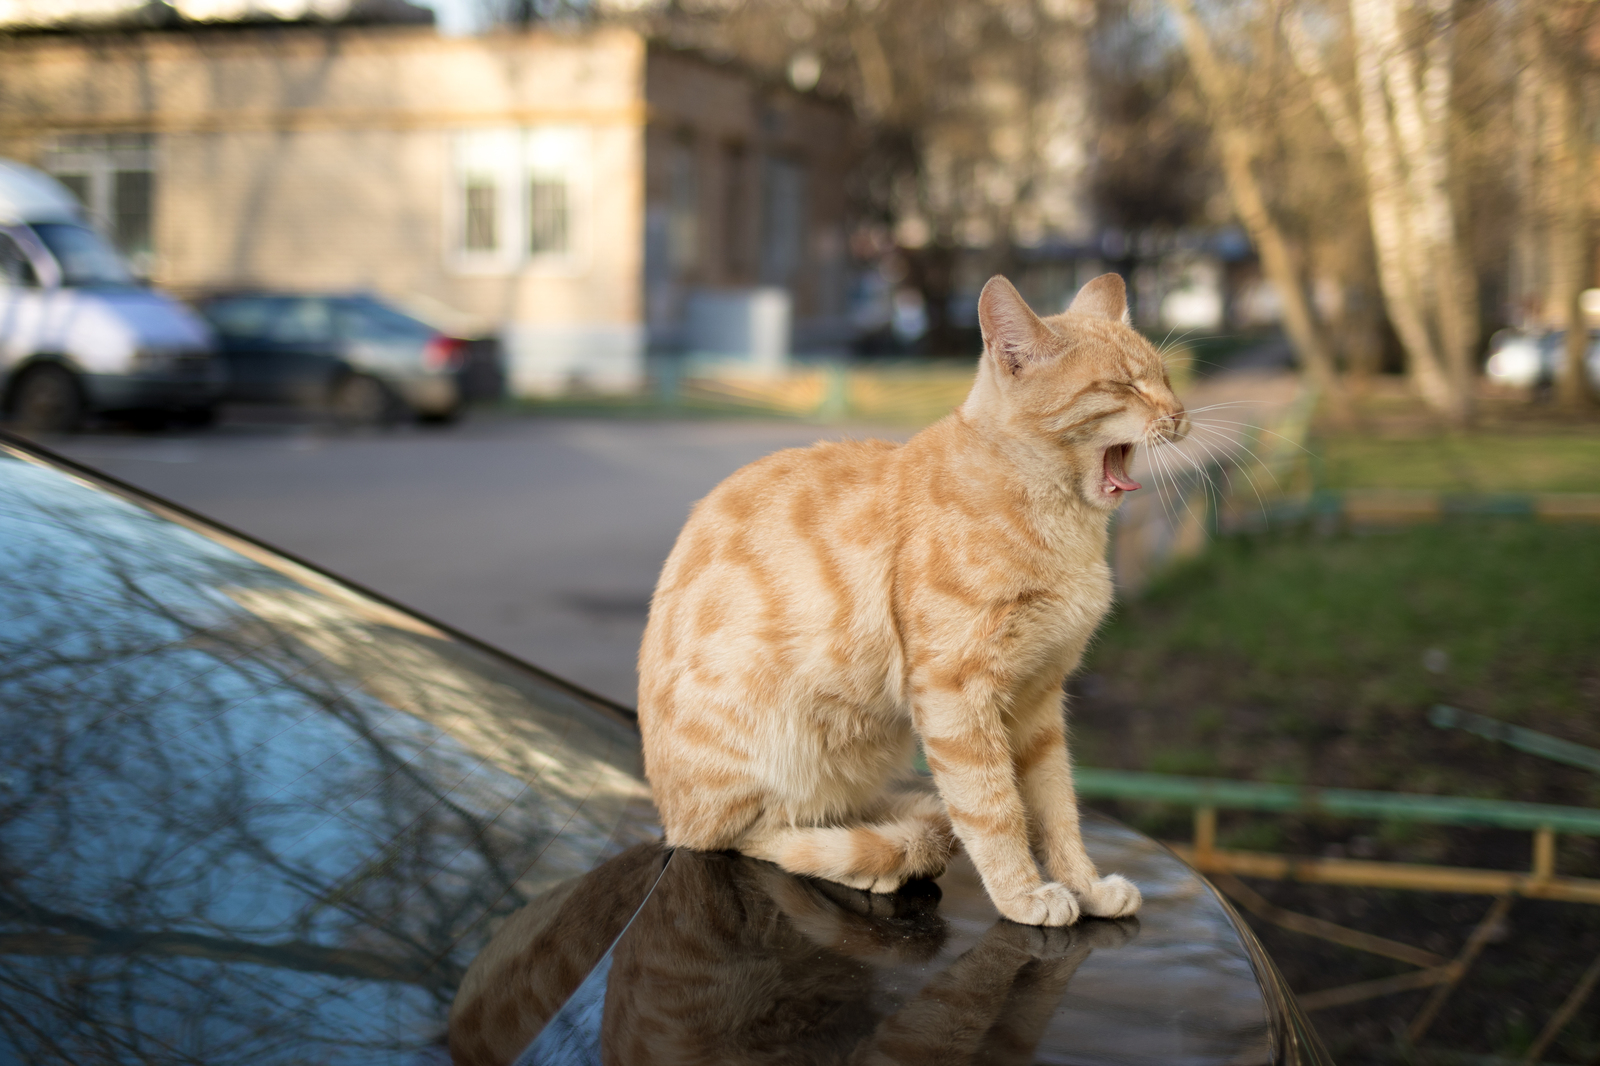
point(1300, 658)
point(1477, 463)
point(1296, 657)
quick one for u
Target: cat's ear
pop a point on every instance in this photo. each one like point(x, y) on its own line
point(1104, 297)
point(1011, 331)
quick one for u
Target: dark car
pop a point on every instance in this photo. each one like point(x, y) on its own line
point(366, 361)
point(251, 813)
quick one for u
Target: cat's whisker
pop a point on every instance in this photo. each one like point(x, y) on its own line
point(1214, 490)
point(1161, 349)
point(1229, 403)
point(1169, 488)
point(1254, 488)
point(1243, 447)
point(1168, 461)
point(1236, 431)
point(1257, 428)
point(1150, 442)
point(1164, 349)
point(1210, 363)
point(1173, 488)
point(1218, 463)
point(1184, 496)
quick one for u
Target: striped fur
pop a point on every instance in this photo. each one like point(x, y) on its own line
point(824, 608)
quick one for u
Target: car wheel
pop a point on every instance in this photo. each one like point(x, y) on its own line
point(448, 417)
point(47, 400)
point(196, 417)
point(363, 401)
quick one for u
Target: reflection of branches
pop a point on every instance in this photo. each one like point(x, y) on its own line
point(91, 938)
point(246, 816)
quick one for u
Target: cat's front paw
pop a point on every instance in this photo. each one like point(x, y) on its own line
point(1051, 903)
point(1112, 896)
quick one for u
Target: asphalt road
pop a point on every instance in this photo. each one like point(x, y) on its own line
point(540, 535)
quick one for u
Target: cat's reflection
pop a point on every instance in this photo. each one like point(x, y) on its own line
point(732, 960)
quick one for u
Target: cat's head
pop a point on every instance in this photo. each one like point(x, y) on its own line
point(1083, 388)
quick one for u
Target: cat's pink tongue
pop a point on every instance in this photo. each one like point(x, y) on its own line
point(1116, 468)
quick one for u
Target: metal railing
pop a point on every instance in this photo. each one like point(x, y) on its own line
point(1208, 795)
point(1442, 975)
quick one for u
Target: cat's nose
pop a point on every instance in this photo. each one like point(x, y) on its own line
point(1176, 425)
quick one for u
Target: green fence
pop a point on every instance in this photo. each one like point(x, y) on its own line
point(1223, 794)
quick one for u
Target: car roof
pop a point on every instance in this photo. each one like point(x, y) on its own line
point(210, 295)
point(257, 813)
point(29, 195)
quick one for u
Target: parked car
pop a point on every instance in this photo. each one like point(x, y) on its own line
point(353, 354)
point(1532, 360)
point(78, 335)
point(252, 813)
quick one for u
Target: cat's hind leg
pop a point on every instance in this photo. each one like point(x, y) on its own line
point(911, 839)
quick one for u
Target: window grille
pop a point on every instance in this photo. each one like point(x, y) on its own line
point(547, 216)
point(480, 234)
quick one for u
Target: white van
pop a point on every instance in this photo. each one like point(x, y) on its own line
point(78, 334)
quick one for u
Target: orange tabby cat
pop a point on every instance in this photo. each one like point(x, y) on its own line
point(825, 606)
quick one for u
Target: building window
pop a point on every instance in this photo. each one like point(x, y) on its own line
point(113, 176)
point(519, 199)
point(683, 204)
point(480, 221)
point(735, 212)
point(130, 211)
point(783, 220)
point(547, 215)
point(78, 185)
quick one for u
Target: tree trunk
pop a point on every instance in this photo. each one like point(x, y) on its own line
point(1398, 136)
point(1238, 157)
point(1406, 159)
point(1566, 153)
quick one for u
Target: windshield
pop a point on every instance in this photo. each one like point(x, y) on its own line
point(364, 318)
point(251, 815)
point(85, 259)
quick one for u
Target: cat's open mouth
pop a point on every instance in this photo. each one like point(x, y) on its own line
point(1116, 470)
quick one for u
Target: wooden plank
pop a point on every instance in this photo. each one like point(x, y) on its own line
point(1408, 876)
point(1364, 990)
point(1568, 507)
point(1264, 909)
point(1390, 506)
point(1458, 969)
point(1564, 1013)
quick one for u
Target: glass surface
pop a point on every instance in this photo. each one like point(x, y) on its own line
point(15, 269)
point(249, 815)
point(132, 192)
point(77, 184)
point(547, 215)
point(85, 259)
point(245, 318)
point(365, 319)
point(301, 320)
point(730, 957)
point(480, 229)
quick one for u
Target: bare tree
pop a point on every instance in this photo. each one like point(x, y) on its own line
point(976, 111)
point(525, 13)
point(1554, 53)
point(1398, 131)
point(1239, 148)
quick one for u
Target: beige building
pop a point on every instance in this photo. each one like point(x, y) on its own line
point(594, 196)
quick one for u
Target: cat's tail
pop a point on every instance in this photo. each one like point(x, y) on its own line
point(915, 841)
